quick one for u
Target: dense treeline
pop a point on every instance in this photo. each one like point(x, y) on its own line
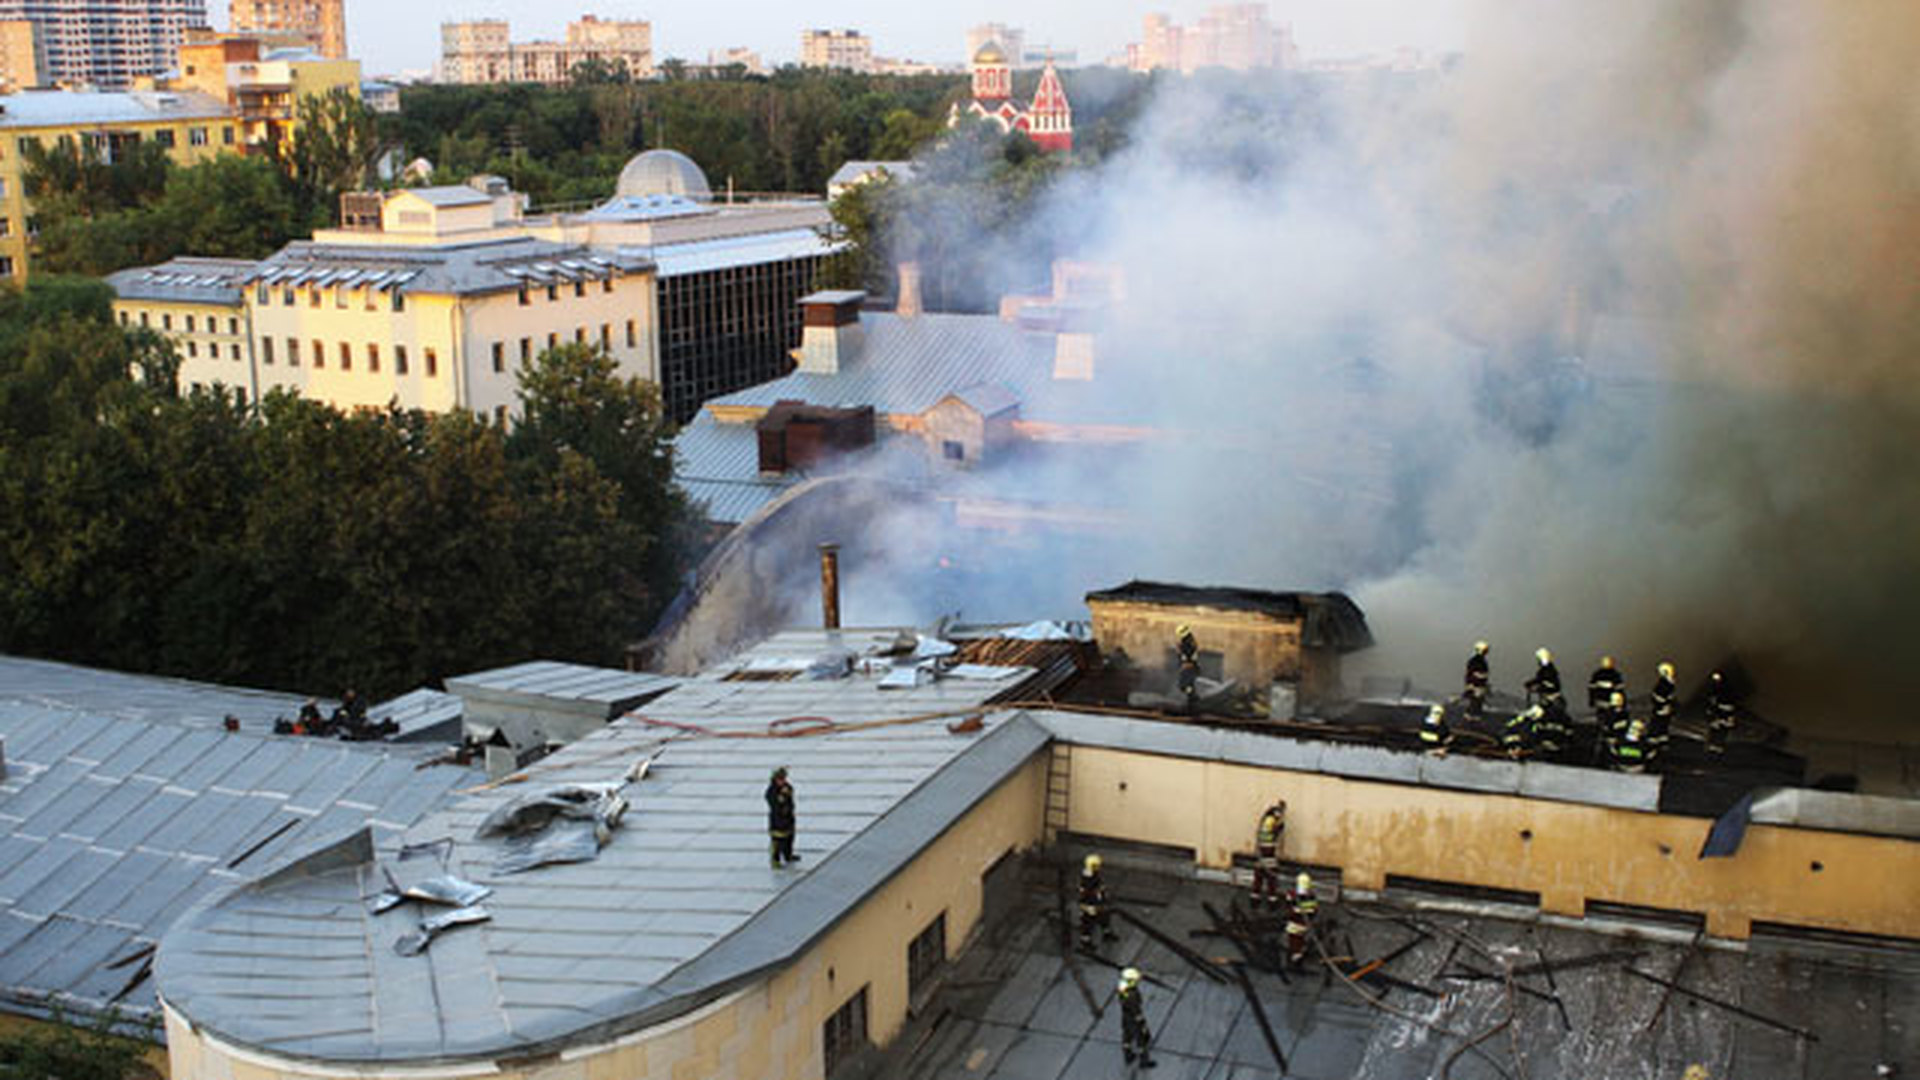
point(299, 547)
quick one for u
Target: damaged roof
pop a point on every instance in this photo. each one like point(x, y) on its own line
point(1331, 620)
point(679, 907)
point(111, 826)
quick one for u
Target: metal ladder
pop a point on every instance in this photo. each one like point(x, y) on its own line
point(1059, 783)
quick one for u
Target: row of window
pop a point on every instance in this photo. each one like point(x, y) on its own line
point(316, 356)
point(553, 291)
point(553, 342)
point(213, 351)
point(192, 323)
point(196, 136)
point(263, 296)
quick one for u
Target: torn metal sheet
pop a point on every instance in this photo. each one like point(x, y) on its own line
point(561, 825)
point(1050, 630)
point(415, 943)
point(446, 890)
point(988, 672)
point(907, 677)
point(531, 813)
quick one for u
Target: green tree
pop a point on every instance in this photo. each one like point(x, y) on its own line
point(229, 206)
point(904, 133)
point(64, 1051)
point(335, 143)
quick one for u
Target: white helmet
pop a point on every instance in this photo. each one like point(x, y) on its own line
point(1093, 864)
point(1480, 647)
point(1543, 655)
point(1129, 978)
point(1666, 670)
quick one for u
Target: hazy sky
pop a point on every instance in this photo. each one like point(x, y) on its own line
point(399, 35)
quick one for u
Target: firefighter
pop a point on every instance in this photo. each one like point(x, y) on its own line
point(1605, 681)
point(1552, 728)
point(1545, 684)
point(1611, 716)
point(1630, 751)
point(1666, 702)
point(1189, 650)
point(1135, 1040)
point(1266, 866)
point(1518, 740)
point(1720, 714)
point(1479, 680)
point(780, 819)
point(1302, 906)
point(309, 721)
point(1435, 735)
point(1094, 912)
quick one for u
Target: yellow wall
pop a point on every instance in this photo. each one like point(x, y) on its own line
point(1255, 649)
point(769, 1030)
point(13, 200)
point(1575, 853)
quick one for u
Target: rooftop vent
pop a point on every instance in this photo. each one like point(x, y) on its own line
point(795, 435)
point(833, 335)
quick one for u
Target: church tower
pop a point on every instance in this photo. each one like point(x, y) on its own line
point(992, 74)
point(1050, 120)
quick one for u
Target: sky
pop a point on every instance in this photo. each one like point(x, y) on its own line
point(396, 37)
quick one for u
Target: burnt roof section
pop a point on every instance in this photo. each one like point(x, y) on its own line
point(1331, 620)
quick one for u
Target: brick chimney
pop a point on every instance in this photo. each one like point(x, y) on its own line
point(908, 304)
point(832, 334)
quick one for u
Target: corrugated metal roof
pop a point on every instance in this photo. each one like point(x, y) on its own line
point(422, 715)
point(559, 682)
point(463, 269)
point(46, 684)
point(111, 827)
point(678, 907)
point(51, 108)
point(753, 249)
point(186, 280)
point(449, 195)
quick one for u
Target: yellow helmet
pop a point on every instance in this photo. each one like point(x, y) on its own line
point(1303, 883)
point(1437, 712)
point(1617, 700)
point(1666, 670)
point(1092, 864)
point(1182, 630)
point(1543, 655)
point(1480, 647)
point(1606, 661)
point(1129, 978)
point(1696, 1072)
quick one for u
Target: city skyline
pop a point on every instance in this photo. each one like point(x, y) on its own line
point(393, 39)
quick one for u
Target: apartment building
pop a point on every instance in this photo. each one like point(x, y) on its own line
point(1239, 37)
point(22, 45)
point(322, 23)
point(107, 44)
point(482, 51)
point(849, 50)
point(261, 83)
point(193, 126)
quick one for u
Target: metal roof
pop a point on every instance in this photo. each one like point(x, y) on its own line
point(549, 681)
point(448, 195)
point(111, 827)
point(47, 685)
point(718, 466)
point(987, 399)
point(753, 249)
point(679, 907)
point(50, 108)
point(423, 715)
point(186, 280)
point(458, 269)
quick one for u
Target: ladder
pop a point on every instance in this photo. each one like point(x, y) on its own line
point(1059, 783)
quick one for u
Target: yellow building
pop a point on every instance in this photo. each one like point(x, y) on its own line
point(192, 126)
point(22, 55)
point(428, 299)
point(323, 23)
point(262, 83)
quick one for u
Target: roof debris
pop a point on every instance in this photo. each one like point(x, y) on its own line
point(416, 943)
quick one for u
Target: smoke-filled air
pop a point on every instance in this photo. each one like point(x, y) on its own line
point(1604, 339)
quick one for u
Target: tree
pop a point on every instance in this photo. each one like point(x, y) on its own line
point(231, 207)
point(904, 133)
point(333, 148)
point(599, 71)
point(69, 1052)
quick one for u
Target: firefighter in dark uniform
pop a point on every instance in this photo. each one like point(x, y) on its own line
point(1666, 702)
point(1479, 680)
point(1435, 735)
point(1189, 650)
point(780, 818)
point(1610, 720)
point(1605, 681)
point(1552, 728)
point(1721, 714)
point(1094, 912)
point(1135, 1040)
point(1302, 908)
point(1518, 739)
point(1545, 684)
point(1630, 750)
point(1266, 866)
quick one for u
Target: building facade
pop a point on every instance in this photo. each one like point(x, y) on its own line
point(262, 84)
point(322, 23)
point(107, 44)
point(1239, 37)
point(21, 47)
point(482, 51)
point(1047, 120)
point(193, 127)
point(848, 50)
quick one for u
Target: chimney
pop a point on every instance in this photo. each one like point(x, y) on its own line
point(830, 586)
point(908, 304)
point(832, 334)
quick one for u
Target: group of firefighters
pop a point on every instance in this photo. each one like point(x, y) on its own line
point(1299, 903)
point(1544, 729)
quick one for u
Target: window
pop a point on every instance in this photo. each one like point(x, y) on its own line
point(293, 352)
point(606, 283)
point(580, 288)
point(524, 299)
point(6, 226)
point(319, 355)
point(339, 296)
point(233, 327)
point(526, 351)
point(580, 335)
point(196, 136)
point(844, 1034)
point(399, 300)
point(263, 295)
point(499, 356)
point(346, 357)
point(190, 322)
point(166, 322)
point(164, 138)
point(373, 358)
point(144, 321)
point(553, 292)
point(399, 359)
point(633, 334)
point(372, 296)
point(193, 350)
point(553, 341)
point(500, 415)
point(124, 320)
point(606, 337)
point(953, 451)
point(433, 364)
point(3, 189)
point(226, 134)
point(235, 350)
point(27, 142)
point(266, 350)
point(925, 955)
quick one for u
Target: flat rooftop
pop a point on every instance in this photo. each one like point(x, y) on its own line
point(1010, 1007)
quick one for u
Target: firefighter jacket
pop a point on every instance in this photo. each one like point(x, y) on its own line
point(1093, 893)
point(1546, 680)
point(1602, 684)
point(780, 808)
point(1479, 675)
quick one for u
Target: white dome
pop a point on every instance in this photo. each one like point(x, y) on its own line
point(663, 172)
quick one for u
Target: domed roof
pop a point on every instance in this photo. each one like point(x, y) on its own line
point(990, 54)
point(663, 172)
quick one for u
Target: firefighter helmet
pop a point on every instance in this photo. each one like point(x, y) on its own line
point(1618, 700)
point(1303, 883)
point(1437, 713)
point(1543, 655)
point(1093, 864)
point(1182, 630)
point(1606, 662)
point(1129, 978)
point(1666, 670)
point(1715, 676)
point(1480, 647)
point(780, 773)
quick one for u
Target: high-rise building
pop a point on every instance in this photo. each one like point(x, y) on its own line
point(322, 22)
point(850, 50)
point(106, 43)
point(21, 49)
point(1011, 39)
point(481, 51)
point(1239, 37)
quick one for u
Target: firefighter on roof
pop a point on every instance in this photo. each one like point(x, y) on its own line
point(1435, 735)
point(1479, 680)
point(1189, 650)
point(1302, 907)
point(1545, 684)
point(1266, 866)
point(780, 818)
point(1135, 1040)
point(1666, 702)
point(1094, 912)
point(1721, 714)
point(1630, 750)
point(1518, 739)
point(1605, 681)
